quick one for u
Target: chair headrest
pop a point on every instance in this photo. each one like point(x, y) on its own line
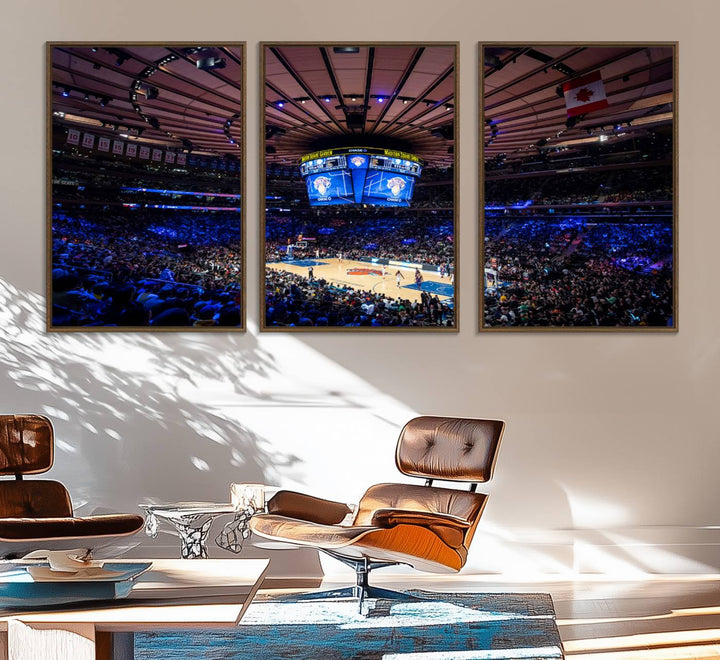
point(26, 444)
point(449, 448)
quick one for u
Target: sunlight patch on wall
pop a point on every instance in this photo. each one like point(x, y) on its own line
point(595, 513)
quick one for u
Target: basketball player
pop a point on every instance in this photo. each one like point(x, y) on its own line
point(399, 276)
point(418, 278)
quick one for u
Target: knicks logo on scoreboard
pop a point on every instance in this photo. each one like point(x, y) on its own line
point(358, 161)
point(396, 185)
point(322, 185)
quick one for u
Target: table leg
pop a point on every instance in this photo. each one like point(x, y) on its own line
point(236, 531)
point(114, 646)
point(193, 539)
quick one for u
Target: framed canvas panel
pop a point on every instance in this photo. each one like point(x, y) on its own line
point(145, 186)
point(360, 186)
point(579, 186)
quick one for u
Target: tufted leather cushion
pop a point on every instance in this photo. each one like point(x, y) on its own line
point(34, 499)
point(414, 497)
point(449, 448)
point(26, 444)
point(110, 525)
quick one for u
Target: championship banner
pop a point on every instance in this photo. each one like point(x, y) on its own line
point(88, 141)
point(157, 155)
point(585, 94)
point(118, 147)
point(73, 136)
point(104, 144)
point(181, 159)
point(131, 150)
point(170, 157)
point(145, 152)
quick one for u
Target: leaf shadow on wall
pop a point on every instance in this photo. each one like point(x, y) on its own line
point(130, 420)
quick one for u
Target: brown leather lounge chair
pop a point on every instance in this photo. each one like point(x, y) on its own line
point(38, 514)
point(427, 527)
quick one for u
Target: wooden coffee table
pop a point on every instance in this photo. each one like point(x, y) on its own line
point(174, 593)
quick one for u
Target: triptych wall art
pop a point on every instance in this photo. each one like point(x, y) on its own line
point(359, 190)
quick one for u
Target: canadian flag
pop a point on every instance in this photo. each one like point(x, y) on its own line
point(585, 94)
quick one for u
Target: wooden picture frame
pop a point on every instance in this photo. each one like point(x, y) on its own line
point(145, 186)
point(578, 181)
point(354, 252)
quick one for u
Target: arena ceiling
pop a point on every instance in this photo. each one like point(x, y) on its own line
point(319, 96)
point(524, 109)
point(187, 97)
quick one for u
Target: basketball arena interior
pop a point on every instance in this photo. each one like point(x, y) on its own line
point(146, 196)
point(578, 194)
point(359, 188)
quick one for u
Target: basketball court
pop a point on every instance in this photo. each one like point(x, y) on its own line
point(364, 276)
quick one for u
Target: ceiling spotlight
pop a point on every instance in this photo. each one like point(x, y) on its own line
point(280, 104)
point(104, 101)
point(327, 99)
point(405, 101)
point(94, 50)
point(207, 63)
point(448, 106)
point(86, 97)
point(380, 99)
point(302, 101)
point(66, 91)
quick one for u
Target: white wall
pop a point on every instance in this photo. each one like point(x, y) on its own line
point(610, 462)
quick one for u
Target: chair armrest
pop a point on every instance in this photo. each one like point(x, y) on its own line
point(306, 507)
point(451, 529)
point(392, 517)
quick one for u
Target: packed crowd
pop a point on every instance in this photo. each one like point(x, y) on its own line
point(626, 185)
point(425, 240)
point(576, 273)
point(293, 300)
point(144, 268)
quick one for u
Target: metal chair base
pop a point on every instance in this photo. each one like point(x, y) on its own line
point(362, 590)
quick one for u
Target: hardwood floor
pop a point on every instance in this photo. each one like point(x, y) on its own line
point(658, 618)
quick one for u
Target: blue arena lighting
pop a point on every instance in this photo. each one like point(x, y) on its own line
point(182, 192)
point(520, 205)
point(176, 207)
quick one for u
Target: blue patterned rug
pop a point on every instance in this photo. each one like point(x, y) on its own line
point(443, 626)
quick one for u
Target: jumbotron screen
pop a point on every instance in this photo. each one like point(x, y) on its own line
point(360, 175)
